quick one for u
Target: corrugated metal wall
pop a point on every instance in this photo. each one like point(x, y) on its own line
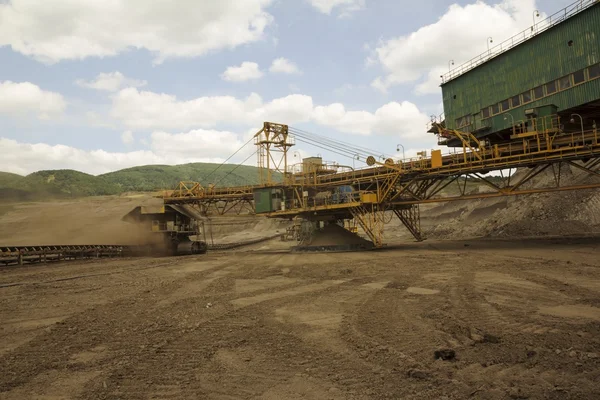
point(542, 59)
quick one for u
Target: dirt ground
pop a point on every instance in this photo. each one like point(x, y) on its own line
point(523, 318)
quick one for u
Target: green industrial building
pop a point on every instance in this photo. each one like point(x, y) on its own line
point(544, 79)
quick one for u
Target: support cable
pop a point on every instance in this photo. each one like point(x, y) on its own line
point(334, 149)
point(349, 145)
point(236, 167)
point(311, 143)
point(229, 158)
point(324, 140)
point(349, 151)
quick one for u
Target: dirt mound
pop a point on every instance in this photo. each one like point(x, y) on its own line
point(541, 214)
point(91, 220)
point(335, 235)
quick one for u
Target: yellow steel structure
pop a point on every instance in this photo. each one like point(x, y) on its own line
point(399, 187)
point(273, 142)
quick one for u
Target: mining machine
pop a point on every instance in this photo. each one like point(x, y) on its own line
point(528, 106)
point(368, 197)
point(173, 229)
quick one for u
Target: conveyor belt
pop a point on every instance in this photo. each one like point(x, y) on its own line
point(20, 255)
point(45, 253)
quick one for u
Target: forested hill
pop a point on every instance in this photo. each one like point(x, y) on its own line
point(70, 183)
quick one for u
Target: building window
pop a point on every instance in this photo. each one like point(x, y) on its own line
point(594, 71)
point(485, 113)
point(565, 82)
point(579, 77)
point(516, 101)
point(463, 121)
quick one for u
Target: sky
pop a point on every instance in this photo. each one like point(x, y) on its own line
point(101, 85)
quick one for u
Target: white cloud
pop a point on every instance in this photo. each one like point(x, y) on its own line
point(284, 66)
point(127, 137)
point(51, 31)
point(344, 7)
point(245, 72)
point(25, 97)
point(459, 35)
point(335, 115)
point(402, 119)
point(110, 82)
point(153, 111)
point(193, 146)
point(291, 110)
point(195, 143)
point(148, 110)
point(25, 158)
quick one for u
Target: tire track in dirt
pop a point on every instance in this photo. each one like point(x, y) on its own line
point(224, 337)
point(195, 342)
point(344, 326)
point(476, 311)
point(314, 356)
point(99, 325)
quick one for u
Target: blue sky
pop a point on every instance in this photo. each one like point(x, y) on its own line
point(99, 86)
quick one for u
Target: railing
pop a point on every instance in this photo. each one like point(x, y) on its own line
point(196, 190)
point(543, 147)
point(519, 38)
point(324, 167)
point(435, 119)
point(544, 141)
point(538, 147)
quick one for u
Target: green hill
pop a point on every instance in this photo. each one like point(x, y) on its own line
point(8, 179)
point(69, 183)
point(53, 184)
point(154, 177)
point(11, 187)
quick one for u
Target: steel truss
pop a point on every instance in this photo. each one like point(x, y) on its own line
point(227, 206)
point(411, 219)
point(429, 190)
point(371, 219)
point(273, 142)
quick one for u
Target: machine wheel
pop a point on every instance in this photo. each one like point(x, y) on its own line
point(187, 248)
